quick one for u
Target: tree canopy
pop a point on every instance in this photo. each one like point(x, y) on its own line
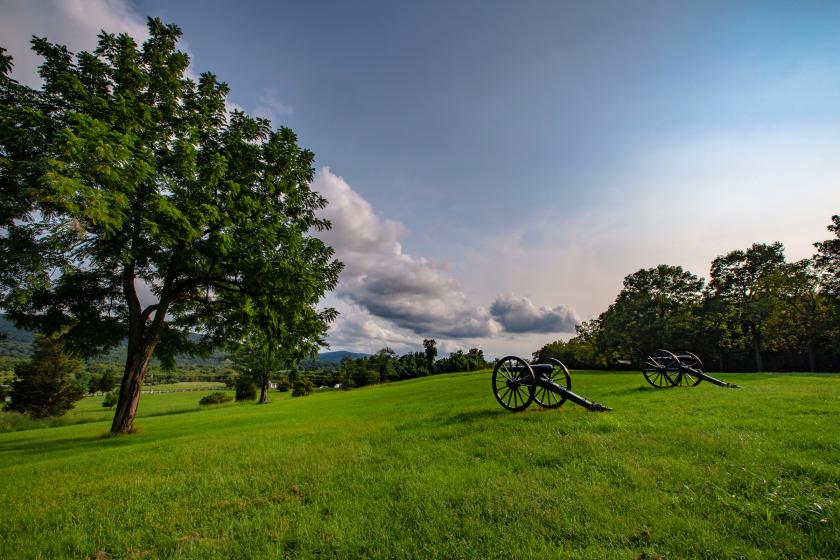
point(136, 207)
point(655, 308)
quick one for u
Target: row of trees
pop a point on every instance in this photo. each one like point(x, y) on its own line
point(386, 366)
point(757, 312)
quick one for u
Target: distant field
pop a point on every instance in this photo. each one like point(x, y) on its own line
point(179, 397)
point(435, 468)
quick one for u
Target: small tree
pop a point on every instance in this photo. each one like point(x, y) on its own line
point(46, 385)
point(302, 387)
point(246, 389)
point(430, 347)
point(258, 361)
point(111, 399)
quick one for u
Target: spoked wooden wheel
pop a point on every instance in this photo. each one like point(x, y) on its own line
point(686, 378)
point(559, 375)
point(662, 369)
point(513, 383)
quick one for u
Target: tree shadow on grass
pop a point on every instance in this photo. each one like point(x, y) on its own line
point(38, 446)
point(468, 417)
point(449, 419)
point(637, 391)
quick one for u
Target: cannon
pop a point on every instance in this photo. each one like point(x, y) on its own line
point(516, 384)
point(667, 369)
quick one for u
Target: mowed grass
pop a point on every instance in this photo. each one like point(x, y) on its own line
point(435, 468)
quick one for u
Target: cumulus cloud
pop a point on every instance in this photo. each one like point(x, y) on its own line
point(357, 329)
point(414, 294)
point(520, 315)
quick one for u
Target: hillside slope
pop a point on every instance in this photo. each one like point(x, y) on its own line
point(434, 468)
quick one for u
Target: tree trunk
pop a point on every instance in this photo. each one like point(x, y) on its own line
point(812, 357)
point(142, 340)
point(264, 392)
point(756, 342)
point(136, 364)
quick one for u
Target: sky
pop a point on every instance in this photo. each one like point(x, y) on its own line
point(495, 169)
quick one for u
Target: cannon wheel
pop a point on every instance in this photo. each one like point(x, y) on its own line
point(661, 370)
point(686, 379)
point(559, 375)
point(513, 383)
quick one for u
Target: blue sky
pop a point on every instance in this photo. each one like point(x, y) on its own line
point(497, 168)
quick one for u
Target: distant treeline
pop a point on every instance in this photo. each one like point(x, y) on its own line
point(756, 313)
point(385, 366)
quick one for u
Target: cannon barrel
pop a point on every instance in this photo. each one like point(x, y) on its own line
point(574, 397)
point(713, 380)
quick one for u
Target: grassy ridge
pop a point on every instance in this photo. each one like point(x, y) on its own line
point(434, 468)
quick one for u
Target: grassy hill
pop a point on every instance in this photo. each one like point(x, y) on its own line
point(435, 468)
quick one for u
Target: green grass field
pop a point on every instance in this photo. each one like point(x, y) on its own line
point(435, 468)
point(182, 397)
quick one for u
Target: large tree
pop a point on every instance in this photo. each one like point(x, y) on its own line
point(740, 282)
point(136, 208)
point(799, 321)
point(827, 263)
point(655, 308)
point(827, 258)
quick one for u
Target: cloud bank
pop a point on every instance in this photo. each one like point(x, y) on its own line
point(519, 315)
point(402, 296)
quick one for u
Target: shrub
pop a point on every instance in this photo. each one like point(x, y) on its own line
point(284, 386)
point(216, 398)
point(246, 389)
point(302, 388)
point(111, 399)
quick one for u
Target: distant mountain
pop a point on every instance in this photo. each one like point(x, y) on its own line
point(338, 355)
point(14, 343)
point(12, 333)
point(329, 360)
point(18, 344)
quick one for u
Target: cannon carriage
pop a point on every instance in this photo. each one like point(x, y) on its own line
point(516, 384)
point(665, 369)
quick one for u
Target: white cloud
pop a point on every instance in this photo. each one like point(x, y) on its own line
point(356, 329)
point(74, 23)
